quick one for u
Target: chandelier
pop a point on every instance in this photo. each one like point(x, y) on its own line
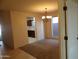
point(45, 19)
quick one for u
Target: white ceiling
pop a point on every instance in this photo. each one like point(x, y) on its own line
point(29, 5)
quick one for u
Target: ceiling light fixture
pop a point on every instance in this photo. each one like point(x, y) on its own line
point(46, 18)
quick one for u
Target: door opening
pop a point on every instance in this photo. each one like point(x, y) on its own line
point(55, 32)
point(0, 36)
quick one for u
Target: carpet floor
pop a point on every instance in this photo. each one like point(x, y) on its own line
point(43, 49)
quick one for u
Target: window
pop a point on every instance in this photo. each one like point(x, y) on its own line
point(55, 20)
point(55, 26)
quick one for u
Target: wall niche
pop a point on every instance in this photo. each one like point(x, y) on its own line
point(31, 29)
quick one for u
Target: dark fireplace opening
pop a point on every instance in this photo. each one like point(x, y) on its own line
point(31, 33)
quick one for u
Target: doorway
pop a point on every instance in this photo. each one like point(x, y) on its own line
point(55, 27)
point(51, 27)
point(0, 36)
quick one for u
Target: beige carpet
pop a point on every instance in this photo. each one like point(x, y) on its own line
point(43, 49)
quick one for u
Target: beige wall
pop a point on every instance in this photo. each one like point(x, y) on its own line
point(6, 29)
point(62, 31)
point(48, 29)
point(19, 27)
point(39, 28)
